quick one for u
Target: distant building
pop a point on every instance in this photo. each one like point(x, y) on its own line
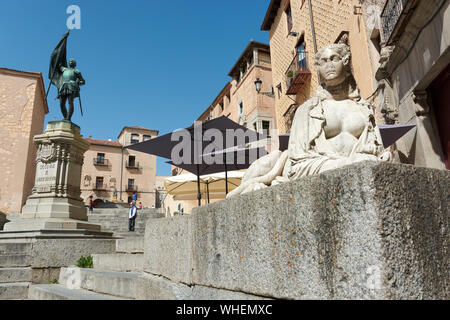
point(111, 173)
point(239, 101)
point(23, 107)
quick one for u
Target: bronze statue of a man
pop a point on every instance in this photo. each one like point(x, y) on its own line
point(65, 77)
point(71, 80)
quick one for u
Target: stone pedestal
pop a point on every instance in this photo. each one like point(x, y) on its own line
point(55, 203)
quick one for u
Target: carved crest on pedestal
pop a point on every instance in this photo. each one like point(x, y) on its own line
point(46, 153)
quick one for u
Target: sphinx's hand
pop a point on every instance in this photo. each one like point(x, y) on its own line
point(385, 156)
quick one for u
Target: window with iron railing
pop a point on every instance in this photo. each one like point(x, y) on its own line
point(297, 73)
point(392, 11)
point(100, 160)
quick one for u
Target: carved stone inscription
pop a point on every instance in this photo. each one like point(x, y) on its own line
point(46, 176)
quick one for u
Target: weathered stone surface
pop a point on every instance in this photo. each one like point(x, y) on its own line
point(8, 275)
point(15, 260)
point(208, 293)
point(168, 248)
point(119, 262)
point(65, 252)
point(59, 292)
point(130, 245)
point(122, 284)
point(151, 287)
point(45, 275)
point(366, 231)
point(13, 290)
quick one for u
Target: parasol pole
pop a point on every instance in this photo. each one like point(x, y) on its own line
point(199, 195)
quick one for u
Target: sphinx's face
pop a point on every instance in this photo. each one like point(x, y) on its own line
point(331, 67)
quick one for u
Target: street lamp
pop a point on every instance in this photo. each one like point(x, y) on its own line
point(258, 84)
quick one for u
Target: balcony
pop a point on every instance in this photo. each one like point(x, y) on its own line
point(101, 162)
point(132, 165)
point(99, 187)
point(297, 74)
point(394, 17)
point(131, 188)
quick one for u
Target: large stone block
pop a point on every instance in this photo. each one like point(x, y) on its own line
point(54, 253)
point(168, 248)
point(366, 231)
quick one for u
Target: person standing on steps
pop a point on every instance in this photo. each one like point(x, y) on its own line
point(91, 205)
point(132, 217)
point(134, 198)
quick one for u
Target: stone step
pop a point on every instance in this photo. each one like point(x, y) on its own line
point(10, 291)
point(130, 244)
point(10, 275)
point(121, 284)
point(60, 292)
point(15, 248)
point(15, 260)
point(120, 262)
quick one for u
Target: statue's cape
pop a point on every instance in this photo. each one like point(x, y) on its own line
point(58, 59)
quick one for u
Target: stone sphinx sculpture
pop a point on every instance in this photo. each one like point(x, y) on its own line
point(334, 128)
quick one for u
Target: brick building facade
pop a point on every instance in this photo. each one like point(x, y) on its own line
point(297, 30)
point(23, 107)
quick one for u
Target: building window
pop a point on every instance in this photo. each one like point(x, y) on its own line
point(288, 12)
point(241, 107)
point(134, 138)
point(130, 184)
point(221, 106)
point(266, 128)
point(99, 183)
point(131, 161)
point(100, 158)
point(146, 138)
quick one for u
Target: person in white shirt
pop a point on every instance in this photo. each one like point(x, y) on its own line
point(132, 217)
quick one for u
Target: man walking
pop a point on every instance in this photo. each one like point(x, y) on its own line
point(132, 217)
point(134, 198)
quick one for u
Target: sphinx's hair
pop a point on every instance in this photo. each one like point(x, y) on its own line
point(342, 49)
point(344, 52)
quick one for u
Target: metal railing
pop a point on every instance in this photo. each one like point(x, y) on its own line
point(131, 188)
point(132, 164)
point(100, 186)
point(392, 11)
point(101, 162)
point(297, 73)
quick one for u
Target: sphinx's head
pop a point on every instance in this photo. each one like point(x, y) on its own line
point(333, 63)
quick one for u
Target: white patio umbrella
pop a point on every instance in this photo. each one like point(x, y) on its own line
point(185, 186)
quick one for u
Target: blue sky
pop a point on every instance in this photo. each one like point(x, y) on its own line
point(156, 64)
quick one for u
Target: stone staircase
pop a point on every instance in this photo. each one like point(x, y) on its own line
point(116, 219)
point(114, 276)
point(15, 273)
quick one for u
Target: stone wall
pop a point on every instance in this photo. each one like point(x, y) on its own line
point(366, 231)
